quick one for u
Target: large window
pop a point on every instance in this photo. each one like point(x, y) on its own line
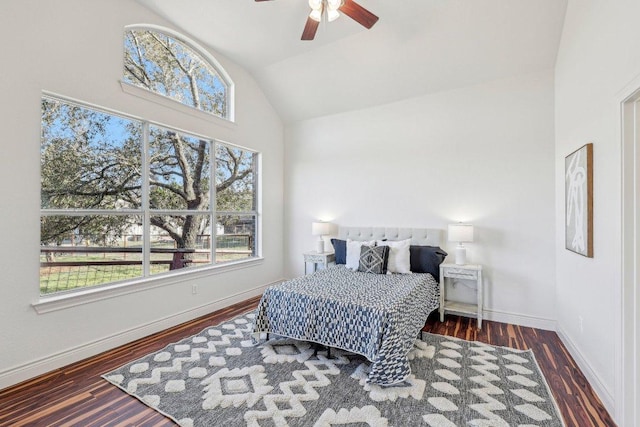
point(164, 65)
point(123, 198)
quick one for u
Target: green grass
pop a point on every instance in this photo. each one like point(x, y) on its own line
point(58, 279)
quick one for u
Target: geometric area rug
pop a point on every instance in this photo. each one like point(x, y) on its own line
point(219, 378)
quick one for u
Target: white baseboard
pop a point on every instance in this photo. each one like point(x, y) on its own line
point(54, 361)
point(520, 319)
point(593, 379)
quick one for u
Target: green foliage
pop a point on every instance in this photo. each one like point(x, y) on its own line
point(93, 160)
point(239, 194)
point(179, 171)
point(89, 160)
point(103, 230)
point(166, 66)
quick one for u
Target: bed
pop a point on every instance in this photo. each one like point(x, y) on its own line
point(375, 315)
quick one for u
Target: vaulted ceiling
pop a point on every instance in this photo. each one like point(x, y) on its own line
point(417, 47)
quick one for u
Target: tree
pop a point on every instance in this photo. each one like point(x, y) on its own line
point(92, 160)
point(164, 65)
point(86, 164)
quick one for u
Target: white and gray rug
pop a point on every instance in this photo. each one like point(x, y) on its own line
point(219, 378)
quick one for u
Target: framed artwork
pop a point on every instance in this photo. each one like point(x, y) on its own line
point(578, 201)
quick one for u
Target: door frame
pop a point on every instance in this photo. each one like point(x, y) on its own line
point(628, 396)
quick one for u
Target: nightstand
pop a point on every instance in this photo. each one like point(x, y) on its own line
point(316, 259)
point(470, 272)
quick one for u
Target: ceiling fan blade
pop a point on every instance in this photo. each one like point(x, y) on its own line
point(358, 13)
point(310, 29)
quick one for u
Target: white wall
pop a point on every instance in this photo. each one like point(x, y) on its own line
point(599, 55)
point(483, 154)
point(74, 48)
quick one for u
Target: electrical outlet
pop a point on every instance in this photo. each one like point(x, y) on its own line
point(581, 320)
point(194, 289)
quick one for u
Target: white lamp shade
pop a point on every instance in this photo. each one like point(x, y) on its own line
point(316, 15)
point(460, 233)
point(320, 228)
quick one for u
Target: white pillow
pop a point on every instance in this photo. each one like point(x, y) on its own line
point(399, 255)
point(353, 252)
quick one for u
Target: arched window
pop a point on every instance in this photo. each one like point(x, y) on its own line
point(170, 67)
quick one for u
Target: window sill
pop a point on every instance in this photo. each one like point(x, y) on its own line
point(47, 304)
point(173, 104)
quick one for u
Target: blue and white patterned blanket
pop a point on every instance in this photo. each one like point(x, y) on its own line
point(375, 315)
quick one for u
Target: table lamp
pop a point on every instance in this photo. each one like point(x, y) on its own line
point(461, 233)
point(320, 229)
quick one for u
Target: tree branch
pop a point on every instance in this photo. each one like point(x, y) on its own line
point(187, 183)
point(169, 187)
point(136, 42)
point(159, 221)
point(193, 84)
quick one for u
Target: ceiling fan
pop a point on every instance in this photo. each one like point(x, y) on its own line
point(332, 9)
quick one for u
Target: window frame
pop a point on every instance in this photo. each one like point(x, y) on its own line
point(72, 297)
point(168, 101)
point(257, 173)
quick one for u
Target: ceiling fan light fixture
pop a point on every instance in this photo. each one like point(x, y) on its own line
point(315, 4)
point(316, 15)
point(332, 15)
point(334, 4)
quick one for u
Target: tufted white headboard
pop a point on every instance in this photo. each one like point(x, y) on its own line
point(418, 236)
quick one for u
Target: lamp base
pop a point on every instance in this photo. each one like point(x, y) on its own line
point(461, 255)
point(320, 246)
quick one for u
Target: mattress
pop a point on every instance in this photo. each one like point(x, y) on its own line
point(375, 315)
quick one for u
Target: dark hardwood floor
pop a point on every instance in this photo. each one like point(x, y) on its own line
point(76, 395)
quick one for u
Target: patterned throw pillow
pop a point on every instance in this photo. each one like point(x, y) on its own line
point(374, 259)
point(353, 252)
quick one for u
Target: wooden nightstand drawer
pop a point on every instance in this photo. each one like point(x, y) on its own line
point(315, 258)
point(459, 273)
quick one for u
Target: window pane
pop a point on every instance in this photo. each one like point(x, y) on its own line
point(179, 171)
point(180, 241)
point(235, 179)
point(235, 237)
point(88, 250)
point(88, 159)
point(168, 67)
point(92, 211)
